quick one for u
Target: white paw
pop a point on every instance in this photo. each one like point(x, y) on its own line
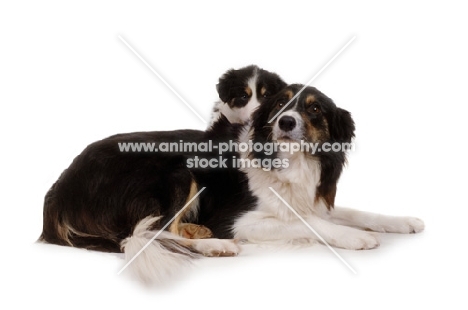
point(402, 225)
point(303, 241)
point(412, 225)
point(217, 247)
point(353, 239)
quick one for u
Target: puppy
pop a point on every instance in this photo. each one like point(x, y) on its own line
point(242, 91)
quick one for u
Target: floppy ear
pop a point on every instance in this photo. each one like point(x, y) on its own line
point(342, 126)
point(223, 91)
point(224, 85)
point(273, 83)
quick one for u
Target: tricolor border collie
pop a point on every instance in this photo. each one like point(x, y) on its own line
point(309, 183)
point(106, 196)
point(112, 201)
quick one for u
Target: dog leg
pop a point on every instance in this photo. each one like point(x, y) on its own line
point(344, 237)
point(213, 247)
point(376, 222)
point(257, 226)
point(194, 231)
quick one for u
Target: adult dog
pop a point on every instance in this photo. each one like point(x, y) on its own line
point(111, 192)
point(315, 125)
point(113, 201)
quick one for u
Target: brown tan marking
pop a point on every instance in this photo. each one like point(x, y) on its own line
point(174, 227)
point(309, 100)
point(263, 90)
point(315, 134)
point(189, 230)
point(289, 93)
point(194, 231)
point(248, 91)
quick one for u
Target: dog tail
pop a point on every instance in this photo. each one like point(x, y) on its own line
point(155, 261)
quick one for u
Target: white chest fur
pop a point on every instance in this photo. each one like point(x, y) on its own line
point(296, 184)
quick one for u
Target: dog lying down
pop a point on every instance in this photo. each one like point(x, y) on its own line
point(115, 201)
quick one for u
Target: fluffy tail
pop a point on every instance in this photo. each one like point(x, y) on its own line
point(155, 261)
point(158, 260)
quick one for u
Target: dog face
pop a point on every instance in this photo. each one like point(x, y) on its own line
point(241, 91)
point(311, 117)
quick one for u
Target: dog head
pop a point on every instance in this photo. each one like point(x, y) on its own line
point(304, 115)
point(310, 116)
point(241, 91)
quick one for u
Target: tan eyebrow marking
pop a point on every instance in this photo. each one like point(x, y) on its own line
point(289, 93)
point(248, 91)
point(310, 99)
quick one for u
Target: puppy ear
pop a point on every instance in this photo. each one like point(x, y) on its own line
point(273, 83)
point(224, 86)
point(342, 126)
point(223, 91)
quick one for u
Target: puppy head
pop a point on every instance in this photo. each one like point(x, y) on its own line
point(242, 90)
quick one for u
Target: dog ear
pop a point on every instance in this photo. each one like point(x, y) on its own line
point(223, 91)
point(342, 126)
point(224, 86)
point(273, 83)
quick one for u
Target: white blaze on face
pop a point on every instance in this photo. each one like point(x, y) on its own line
point(295, 134)
point(246, 112)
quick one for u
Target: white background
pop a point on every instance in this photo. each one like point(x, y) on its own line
point(66, 80)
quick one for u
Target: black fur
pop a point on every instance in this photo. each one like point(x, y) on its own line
point(332, 123)
point(232, 85)
point(105, 193)
point(97, 202)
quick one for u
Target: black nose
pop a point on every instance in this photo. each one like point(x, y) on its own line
point(287, 123)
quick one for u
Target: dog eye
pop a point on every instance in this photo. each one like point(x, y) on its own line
point(316, 109)
point(244, 97)
point(280, 104)
point(266, 95)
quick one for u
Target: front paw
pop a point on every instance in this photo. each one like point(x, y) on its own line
point(354, 239)
point(410, 225)
point(404, 225)
point(217, 247)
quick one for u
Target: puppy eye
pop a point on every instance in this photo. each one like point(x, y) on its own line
point(280, 104)
point(244, 97)
point(266, 95)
